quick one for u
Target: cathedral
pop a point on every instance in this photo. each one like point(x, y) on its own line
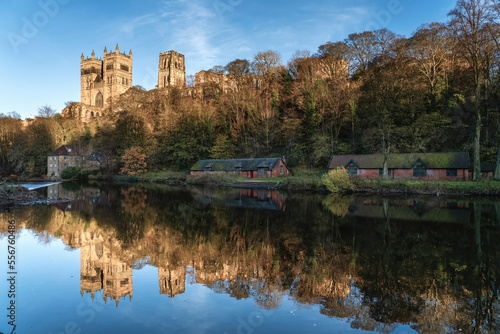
point(102, 81)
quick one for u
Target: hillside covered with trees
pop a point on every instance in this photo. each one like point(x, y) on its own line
point(376, 91)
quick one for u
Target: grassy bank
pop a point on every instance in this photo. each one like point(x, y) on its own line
point(402, 186)
point(310, 180)
point(166, 177)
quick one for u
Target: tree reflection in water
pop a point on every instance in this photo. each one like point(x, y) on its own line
point(433, 264)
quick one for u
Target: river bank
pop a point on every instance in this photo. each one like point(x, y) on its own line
point(311, 181)
point(10, 195)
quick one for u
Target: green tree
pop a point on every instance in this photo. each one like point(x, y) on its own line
point(222, 148)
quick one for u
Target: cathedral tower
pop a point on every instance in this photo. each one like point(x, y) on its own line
point(171, 70)
point(102, 81)
point(117, 76)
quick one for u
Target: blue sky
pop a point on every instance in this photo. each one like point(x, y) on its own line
point(42, 40)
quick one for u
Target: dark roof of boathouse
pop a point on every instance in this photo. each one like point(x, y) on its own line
point(233, 164)
point(488, 167)
point(450, 160)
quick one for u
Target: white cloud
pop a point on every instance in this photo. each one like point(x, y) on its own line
point(137, 22)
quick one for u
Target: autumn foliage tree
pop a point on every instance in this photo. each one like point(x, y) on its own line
point(134, 161)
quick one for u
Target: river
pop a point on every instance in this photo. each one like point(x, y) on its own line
point(159, 259)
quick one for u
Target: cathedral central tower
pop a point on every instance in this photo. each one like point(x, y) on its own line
point(171, 70)
point(103, 81)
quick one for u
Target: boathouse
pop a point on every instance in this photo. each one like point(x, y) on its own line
point(431, 166)
point(263, 167)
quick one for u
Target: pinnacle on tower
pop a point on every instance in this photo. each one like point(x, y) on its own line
point(130, 53)
point(93, 54)
point(83, 56)
point(105, 50)
point(117, 50)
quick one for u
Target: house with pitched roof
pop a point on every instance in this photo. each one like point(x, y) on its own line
point(71, 156)
point(258, 167)
point(431, 166)
point(63, 157)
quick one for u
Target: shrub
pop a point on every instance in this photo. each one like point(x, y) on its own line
point(71, 173)
point(214, 179)
point(337, 180)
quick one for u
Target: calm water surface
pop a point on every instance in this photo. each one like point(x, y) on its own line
point(156, 259)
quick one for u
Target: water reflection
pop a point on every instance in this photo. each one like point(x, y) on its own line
point(378, 263)
point(101, 268)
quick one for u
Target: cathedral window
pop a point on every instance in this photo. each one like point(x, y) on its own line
point(99, 100)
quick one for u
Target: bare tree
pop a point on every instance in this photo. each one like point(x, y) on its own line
point(469, 23)
point(294, 62)
point(494, 27)
point(46, 111)
point(428, 48)
point(383, 40)
point(363, 47)
point(266, 62)
point(14, 115)
point(190, 81)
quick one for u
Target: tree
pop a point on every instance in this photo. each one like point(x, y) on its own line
point(222, 148)
point(428, 48)
point(134, 161)
point(294, 62)
point(335, 59)
point(190, 81)
point(363, 48)
point(46, 111)
point(469, 26)
point(266, 62)
point(238, 71)
point(12, 114)
point(494, 30)
point(384, 104)
point(28, 156)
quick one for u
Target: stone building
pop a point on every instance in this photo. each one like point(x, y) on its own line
point(171, 70)
point(70, 156)
point(210, 79)
point(103, 81)
point(63, 157)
